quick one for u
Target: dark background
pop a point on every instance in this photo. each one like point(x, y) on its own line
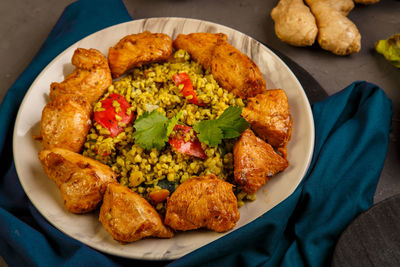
point(25, 24)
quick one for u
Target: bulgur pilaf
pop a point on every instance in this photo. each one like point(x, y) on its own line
point(149, 88)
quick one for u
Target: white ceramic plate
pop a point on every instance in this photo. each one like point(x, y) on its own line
point(86, 228)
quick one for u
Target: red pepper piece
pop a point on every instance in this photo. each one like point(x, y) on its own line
point(191, 147)
point(105, 154)
point(187, 90)
point(106, 117)
point(159, 195)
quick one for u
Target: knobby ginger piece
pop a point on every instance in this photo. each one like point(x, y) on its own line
point(294, 23)
point(344, 6)
point(336, 33)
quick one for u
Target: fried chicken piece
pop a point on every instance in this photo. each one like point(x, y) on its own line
point(204, 201)
point(65, 122)
point(137, 49)
point(90, 79)
point(81, 180)
point(269, 116)
point(255, 162)
point(294, 23)
point(336, 33)
point(232, 69)
point(236, 72)
point(200, 45)
point(129, 217)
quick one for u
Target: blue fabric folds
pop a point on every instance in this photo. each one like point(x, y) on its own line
point(351, 138)
point(351, 127)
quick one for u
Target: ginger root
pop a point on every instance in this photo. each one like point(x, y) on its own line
point(336, 33)
point(294, 23)
point(344, 6)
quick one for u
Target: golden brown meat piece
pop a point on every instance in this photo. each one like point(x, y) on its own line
point(81, 180)
point(90, 79)
point(294, 23)
point(255, 162)
point(65, 122)
point(137, 49)
point(200, 46)
point(269, 116)
point(232, 69)
point(236, 72)
point(336, 33)
point(204, 201)
point(129, 217)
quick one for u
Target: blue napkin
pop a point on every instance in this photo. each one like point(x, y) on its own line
point(351, 138)
point(351, 128)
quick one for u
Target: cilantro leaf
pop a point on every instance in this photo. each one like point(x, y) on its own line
point(172, 122)
point(230, 114)
point(151, 130)
point(229, 125)
point(208, 132)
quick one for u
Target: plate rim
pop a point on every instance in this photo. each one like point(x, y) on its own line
point(221, 26)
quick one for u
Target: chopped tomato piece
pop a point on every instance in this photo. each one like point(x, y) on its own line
point(187, 90)
point(108, 117)
point(105, 154)
point(159, 195)
point(191, 147)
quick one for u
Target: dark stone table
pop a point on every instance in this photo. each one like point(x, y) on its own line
point(24, 25)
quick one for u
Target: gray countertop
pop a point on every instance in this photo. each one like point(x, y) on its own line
point(25, 24)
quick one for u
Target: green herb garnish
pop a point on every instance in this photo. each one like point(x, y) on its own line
point(153, 129)
point(229, 125)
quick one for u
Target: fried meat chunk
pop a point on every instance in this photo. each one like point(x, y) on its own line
point(236, 72)
point(136, 50)
point(90, 79)
point(269, 117)
point(65, 122)
point(200, 46)
point(255, 162)
point(81, 180)
point(204, 201)
point(129, 217)
point(232, 69)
